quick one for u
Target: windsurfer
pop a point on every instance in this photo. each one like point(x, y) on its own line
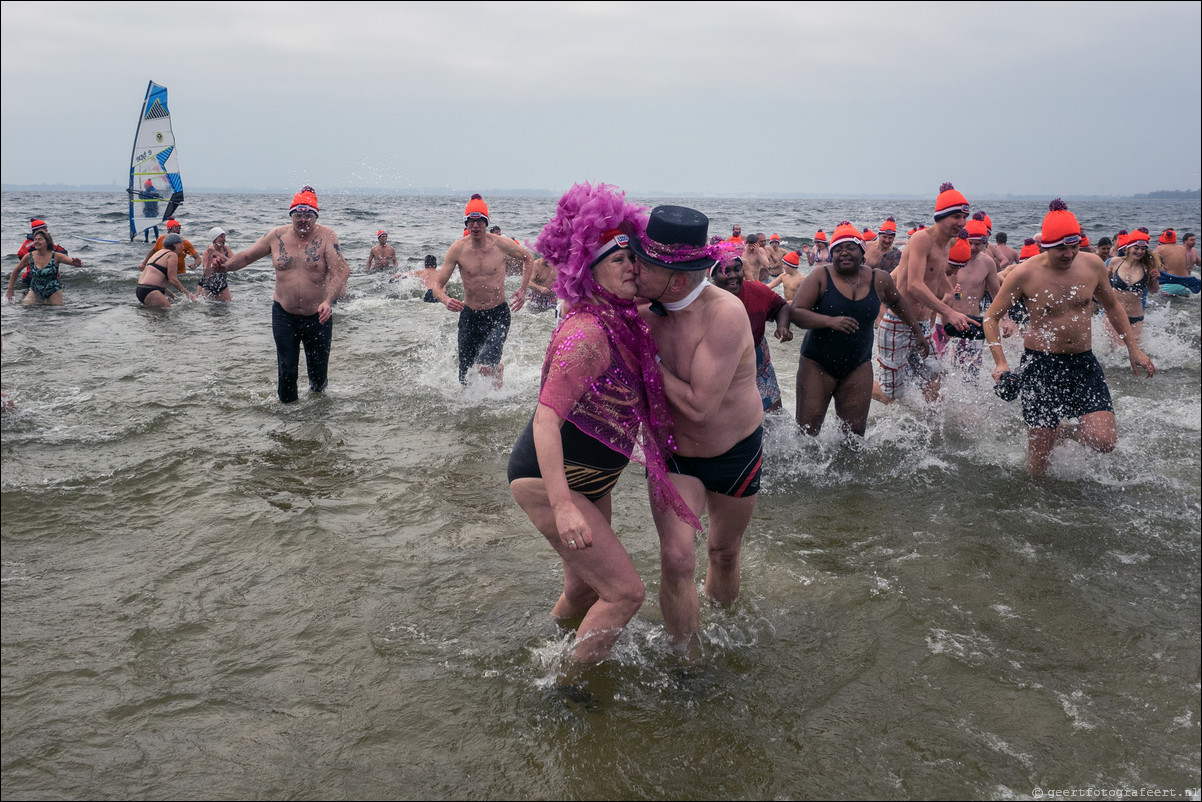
point(150, 209)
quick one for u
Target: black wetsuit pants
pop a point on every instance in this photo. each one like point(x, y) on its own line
point(290, 332)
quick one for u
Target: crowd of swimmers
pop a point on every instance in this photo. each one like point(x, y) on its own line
point(659, 352)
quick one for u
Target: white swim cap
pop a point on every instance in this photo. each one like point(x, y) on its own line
point(215, 232)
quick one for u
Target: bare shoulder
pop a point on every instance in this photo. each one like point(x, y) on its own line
point(723, 312)
point(1092, 260)
point(507, 245)
point(1023, 272)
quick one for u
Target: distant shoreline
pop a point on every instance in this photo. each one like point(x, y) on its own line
point(1190, 195)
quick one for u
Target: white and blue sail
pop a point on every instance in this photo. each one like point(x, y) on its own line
point(154, 182)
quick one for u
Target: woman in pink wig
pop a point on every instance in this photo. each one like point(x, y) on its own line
point(601, 404)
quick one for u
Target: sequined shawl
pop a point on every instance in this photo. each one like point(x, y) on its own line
point(600, 373)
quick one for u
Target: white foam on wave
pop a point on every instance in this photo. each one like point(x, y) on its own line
point(973, 648)
point(1076, 707)
point(995, 742)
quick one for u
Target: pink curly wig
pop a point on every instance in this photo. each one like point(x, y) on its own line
point(572, 236)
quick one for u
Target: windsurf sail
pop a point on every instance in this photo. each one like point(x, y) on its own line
point(154, 180)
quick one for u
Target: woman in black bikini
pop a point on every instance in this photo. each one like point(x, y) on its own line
point(154, 283)
point(839, 307)
point(1134, 272)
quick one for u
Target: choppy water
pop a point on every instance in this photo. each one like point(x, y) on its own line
point(207, 594)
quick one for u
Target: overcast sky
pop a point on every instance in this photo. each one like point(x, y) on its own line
point(689, 98)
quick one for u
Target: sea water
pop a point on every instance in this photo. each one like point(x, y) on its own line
point(208, 594)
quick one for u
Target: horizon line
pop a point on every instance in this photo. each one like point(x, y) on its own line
point(1191, 194)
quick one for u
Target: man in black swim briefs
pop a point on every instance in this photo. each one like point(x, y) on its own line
point(708, 366)
point(484, 319)
point(1060, 377)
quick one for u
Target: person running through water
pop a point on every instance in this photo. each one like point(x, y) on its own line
point(1060, 379)
point(382, 256)
point(483, 314)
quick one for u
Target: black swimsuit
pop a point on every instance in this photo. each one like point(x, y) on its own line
point(155, 264)
point(143, 290)
point(839, 354)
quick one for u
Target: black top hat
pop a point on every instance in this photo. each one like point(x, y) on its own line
point(677, 238)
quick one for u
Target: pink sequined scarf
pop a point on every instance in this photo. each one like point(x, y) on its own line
point(622, 405)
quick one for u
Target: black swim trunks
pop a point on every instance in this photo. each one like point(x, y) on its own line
point(482, 336)
point(1059, 386)
point(735, 473)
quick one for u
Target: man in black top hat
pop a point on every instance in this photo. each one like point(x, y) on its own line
point(708, 365)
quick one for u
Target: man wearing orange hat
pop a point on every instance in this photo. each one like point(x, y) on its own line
point(1176, 261)
point(382, 256)
point(775, 254)
point(1060, 377)
point(483, 313)
point(920, 277)
point(971, 283)
point(310, 274)
point(880, 252)
point(186, 249)
point(790, 278)
point(820, 252)
point(736, 235)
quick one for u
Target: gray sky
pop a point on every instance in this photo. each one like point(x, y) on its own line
point(707, 98)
